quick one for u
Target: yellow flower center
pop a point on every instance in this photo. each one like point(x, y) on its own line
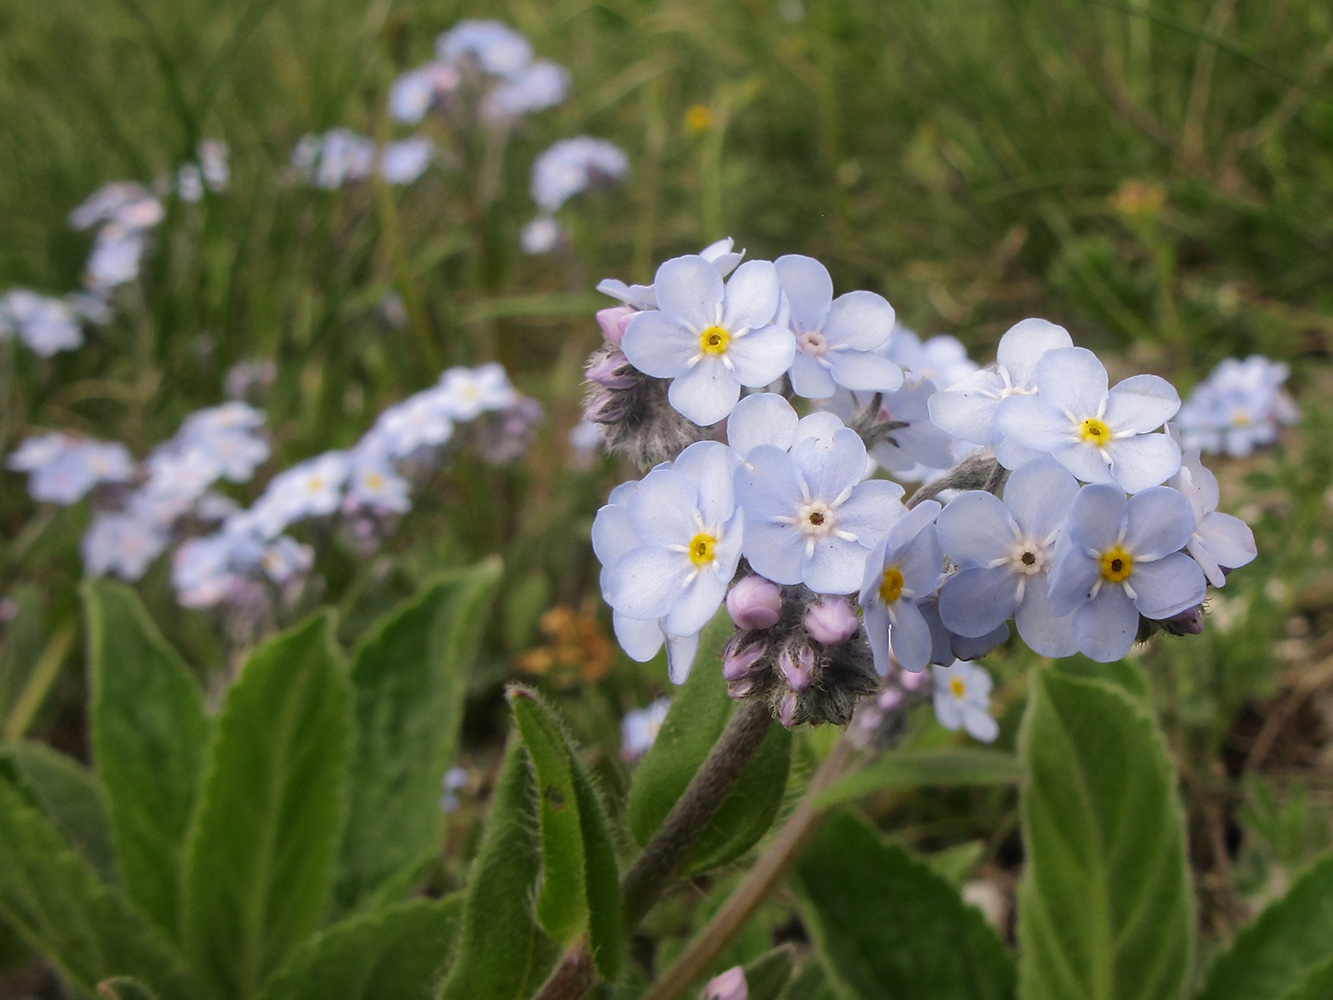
point(957, 688)
point(698, 118)
point(891, 587)
point(714, 340)
point(1116, 564)
point(315, 484)
point(702, 549)
point(1094, 431)
point(374, 481)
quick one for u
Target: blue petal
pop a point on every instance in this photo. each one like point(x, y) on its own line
point(1168, 586)
point(975, 528)
point(1105, 627)
point(976, 601)
point(910, 638)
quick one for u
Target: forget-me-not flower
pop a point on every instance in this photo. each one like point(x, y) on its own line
point(1219, 541)
point(1005, 551)
point(904, 567)
point(710, 338)
point(962, 700)
point(1118, 559)
point(1100, 436)
point(835, 338)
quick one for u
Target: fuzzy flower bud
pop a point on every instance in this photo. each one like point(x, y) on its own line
point(730, 985)
point(613, 322)
point(737, 663)
point(613, 371)
point(755, 603)
point(798, 667)
point(831, 622)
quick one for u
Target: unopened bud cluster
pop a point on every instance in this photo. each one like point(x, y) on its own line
point(1053, 500)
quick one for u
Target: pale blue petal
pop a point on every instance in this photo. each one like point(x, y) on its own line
point(775, 551)
point(1157, 521)
point(1031, 423)
point(612, 534)
point(1038, 625)
point(711, 467)
point(820, 425)
point(689, 290)
point(809, 290)
point(768, 486)
point(873, 508)
point(1141, 404)
point(1013, 455)
point(1096, 517)
point(976, 601)
point(1024, 344)
point(1104, 629)
point(874, 573)
point(979, 724)
point(910, 638)
point(831, 467)
point(762, 355)
point(1039, 496)
point(948, 710)
point(975, 528)
point(705, 393)
point(1140, 462)
point(923, 562)
point(659, 346)
point(861, 321)
point(1071, 580)
point(1168, 586)
point(1229, 540)
point(646, 582)
point(1211, 570)
point(963, 648)
point(681, 650)
point(761, 418)
point(639, 639)
point(835, 567)
point(696, 604)
point(864, 372)
point(810, 379)
point(1088, 462)
point(662, 510)
point(877, 631)
point(751, 297)
point(1071, 381)
point(967, 410)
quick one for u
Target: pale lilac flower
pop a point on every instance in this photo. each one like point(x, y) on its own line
point(586, 442)
point(541, 235)
point(372, 483)
point(126, 203)
point(969, 407)
point(572, 165)
point(454, 781)
point(1241, 405)
point(1099, 436)
point(330, 160)
point(1005, 552)
point(730, 985)
point(810, 517)
point(62, 469)
point(710, 339)
point(542, 85)
point(313, 488)
point(404, 161)
point(116, 257)
point(962, 700)
point(213, 164)
point(45, 325)
point(470, 392)
point(1219, 541)
point(121, 544)
point(1118, 559)
point(417, 91)
point(941, 359)
point(496, 48)
point(422, 420)
point(903, 568)
point(284, 560)
point(835, 339)
point(912, 452)
point(639, 728)
point(246, 377)
point(190, 183)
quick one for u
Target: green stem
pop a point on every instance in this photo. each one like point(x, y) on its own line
point(34, 692)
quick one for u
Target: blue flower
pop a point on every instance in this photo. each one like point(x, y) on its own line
point(1005, 551)
point(710, 339)
point(1220, 541)
point(903, 568)
point(962, 700)
point(809, 516)
point(1119, 559)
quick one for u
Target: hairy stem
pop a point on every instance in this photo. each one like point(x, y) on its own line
point(708, 943)
point(650, 875)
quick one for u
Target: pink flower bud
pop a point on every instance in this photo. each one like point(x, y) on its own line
point(918, 680)
point(739, 689)
point(787, 710)
point(831, 622)
point(889, 699)
point(730, 985)
point(799, 669)
point(754, 603)
point(612, 371)
point(739, 664)
point(613, 322)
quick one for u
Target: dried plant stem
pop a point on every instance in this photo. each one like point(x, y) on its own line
point(644, 883)
point(708, 943)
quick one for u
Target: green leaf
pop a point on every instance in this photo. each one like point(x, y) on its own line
point(88, 930)
point(262, 847)
point(1105, 905)
point(700, 710)
point(26, 635)
point(887, 927)
point(1288, 943)
point(409, 679)
point(579, 880)
point(69, 796)
point(766, 976)
point(124, 988)
point(395, 953)
point(503, 953)
point(149, 735)
point(956, 766)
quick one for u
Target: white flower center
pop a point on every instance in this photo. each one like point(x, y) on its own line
point(815, 519)
point(812, 343)
point(1028, 558)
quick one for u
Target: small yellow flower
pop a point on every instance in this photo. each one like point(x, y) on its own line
point(1139, 199)
point(698, 118)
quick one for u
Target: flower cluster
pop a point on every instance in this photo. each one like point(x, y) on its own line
point(340, 155)
point(1062, 504)
point(483, 64)
point(562, 171)
point(639, 728)
point(1240, 406)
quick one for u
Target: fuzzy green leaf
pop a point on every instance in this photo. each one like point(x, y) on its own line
point(409, 679)
point(395, 953)
point(700, 710)
point(149, 735)
point(1275, 955)
point(580, 881)
point(262, 847)
point(69, 796)
point(887, 927)
point(1105, 905)
point(956, 766)
point(87, 929)
point(503, 953)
